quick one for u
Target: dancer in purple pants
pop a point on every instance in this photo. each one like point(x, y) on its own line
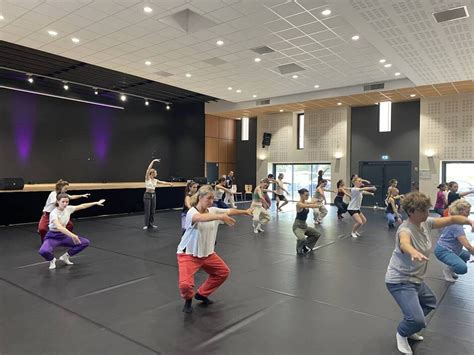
point(59, 236)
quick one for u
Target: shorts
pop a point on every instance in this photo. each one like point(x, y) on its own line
point(353, 212)
point(281, 197)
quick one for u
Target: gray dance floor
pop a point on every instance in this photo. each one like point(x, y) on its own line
point(121, 296)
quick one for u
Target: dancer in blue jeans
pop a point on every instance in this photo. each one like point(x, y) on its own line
point(449, 249)
point(408, 264)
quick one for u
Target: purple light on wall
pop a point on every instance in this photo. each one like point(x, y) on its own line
point(100, 129)
point(24, 117)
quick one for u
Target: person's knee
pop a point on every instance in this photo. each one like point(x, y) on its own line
point(225, 272)
point(460, 268)
point(418, 323)
point(85, 242)
point(45, 253)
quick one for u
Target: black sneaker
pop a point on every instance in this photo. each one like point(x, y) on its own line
point(203, 299)
point(307, 250)
point(188, 308)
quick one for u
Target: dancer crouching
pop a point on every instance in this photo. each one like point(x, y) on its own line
point(196, 249)
point(354, 205)
point(339, 199)
point(190, 190)
point(405, 273)
point(305, 235)
point(59, 236)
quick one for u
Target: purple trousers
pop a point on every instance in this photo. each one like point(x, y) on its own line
point(58, 239)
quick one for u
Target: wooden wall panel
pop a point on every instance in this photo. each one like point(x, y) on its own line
point(222, 154)
point(232, 129)
point(212, 126)
point(231, 148)
point(223, 169)
point(223, 128)
point(212, 149)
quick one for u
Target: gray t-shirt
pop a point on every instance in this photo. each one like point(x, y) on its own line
point(401, 268)
point(356, 199)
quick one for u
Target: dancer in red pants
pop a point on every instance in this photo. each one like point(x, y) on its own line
point(61, 187)
point(196, 249)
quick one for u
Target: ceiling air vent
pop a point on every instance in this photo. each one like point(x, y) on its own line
point(370, 87)
point(451, 14)
point(263, 102)
point(289, 68)
point(262, 50)
point(214, 61)
point(188, 21)
point(163, 73)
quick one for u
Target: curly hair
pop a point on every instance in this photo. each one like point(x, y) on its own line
point(416, 201)
point(459, 207)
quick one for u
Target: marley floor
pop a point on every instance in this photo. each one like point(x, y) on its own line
point(121, 295)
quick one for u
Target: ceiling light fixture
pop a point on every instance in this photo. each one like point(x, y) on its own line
point(388, 65)
point(75, 40)
point(355, 38)
point(238, 91)
point(412, 95)
point(148, 9)
point(382, 61)
point(188, 75)
point(52, 33)
point(326, 12)
point(147, 103)
point(229, 88)
point(30, 80)
point(2, 17)
point(281, 110)
point(66, 86)
point(339, 103)
point(220, 42)
point(397, 74)
point(123, 97)
point(96, 92)
point(316, 86)
point(257, 60)
point(168, 107)
point(254, 96)
point(295, 76)
point(147, 62)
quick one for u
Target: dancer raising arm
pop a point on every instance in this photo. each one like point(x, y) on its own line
point(149, 197)
point(354, 205)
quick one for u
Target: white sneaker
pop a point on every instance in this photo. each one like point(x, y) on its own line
point(259, 228)
point(354, 235)
point(65, 259)
point(448, 275)
point(416, 337)
point(358, 234)
point(403, 346)
point(255, 230)
point(154, 226)
point(52, 264)
point(145, 228)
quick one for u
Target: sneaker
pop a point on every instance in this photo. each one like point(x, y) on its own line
point(358, 234)
point(188, 308)
point(65, 258)
point(52, 264)
point(153, 226)
point(260, 229)
point(354, 235)
point(391, 226)
point(403, 345)
point(206, 301)
point(416, 337)
point(145, 227)
point(448, 275)
point(306, 250)
point(255, 230)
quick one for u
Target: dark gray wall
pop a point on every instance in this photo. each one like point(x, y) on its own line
point(44, 138)
point(402, 143)
point(246, 156)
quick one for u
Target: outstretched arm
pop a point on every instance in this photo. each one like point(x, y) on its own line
point(407, 247)
point(87, 205)
point(75, 197)
point(446, 221)
point(163, 182)
point(150, 167)
point(465, 193)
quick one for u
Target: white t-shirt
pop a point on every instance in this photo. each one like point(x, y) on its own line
point(63, 217)
point(50, 202)
point(280, 185)
point(218, 194)
point(356, 199)
point(150, 184)
point(200, 238)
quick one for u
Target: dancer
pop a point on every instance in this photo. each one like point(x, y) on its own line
point(453, 194)
point(271, 180)
point(260, 206)
point(59, 236)
point(191, 188)
point(441, 199)
point(339, 199)
point(149, 198)
point(355, 176)
point(220, 189)
point(280, 192)
point(449, 249)
point(196, 249)
point(61, 187)
point(320, 200)
point(306, 236)
point(320, 176)
point(229, 183)
point(354, 205)
point(408, 265)
point(393, 207)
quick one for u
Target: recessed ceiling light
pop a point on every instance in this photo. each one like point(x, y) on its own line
point(188, 75)
point(382, 61)
point(147, 9)
point(147, 62)
point(295, 76)
point(96, 92)
point(75, 39)
point(123, 97)
point(355, 38)
point(412, 95)
point(66, 87)
point(229, 88)
point(257, 60)
point(146, 103)
point(220, 42)
point(254, 96)
point(52, 33)
point(316, 86)
point(339, 103)
point(388, 65)
point(397, 74)
point(281, 110)
point(238, 91)
point(1, 17)
point(168, 107)
point(30, 80)
point(326, 12)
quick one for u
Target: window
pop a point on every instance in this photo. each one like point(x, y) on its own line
point(300, 138)
point(385, 116)
point(245, 129)
point(463, 173)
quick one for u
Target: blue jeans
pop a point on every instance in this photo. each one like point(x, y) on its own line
point(439, 211)
point(457, 263)
point(220, 204)
point(416, 301)
point(391, 218)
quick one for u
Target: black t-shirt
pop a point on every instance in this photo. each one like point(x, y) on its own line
point(229, 181)
point(453, 196)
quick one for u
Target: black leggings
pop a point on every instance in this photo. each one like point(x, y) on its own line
point(341, 205)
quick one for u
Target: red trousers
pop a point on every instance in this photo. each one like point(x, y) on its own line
point(43, 225)
point(188, 265)
point(446, 212)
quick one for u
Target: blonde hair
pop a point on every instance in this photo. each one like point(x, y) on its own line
point(416, 201)
point(203, 191)
point(356, 179)
point(459, 206)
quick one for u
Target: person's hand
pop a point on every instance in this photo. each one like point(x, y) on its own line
point(86, 195)
point(100, 203)
point(471, 222)
point(171, 185)
point(249, 211)
point(156, 160)
point(76, 240)
point(227, 219)
point(417, 256)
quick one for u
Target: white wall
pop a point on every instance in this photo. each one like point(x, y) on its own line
point(327, 132)
point(446, 129)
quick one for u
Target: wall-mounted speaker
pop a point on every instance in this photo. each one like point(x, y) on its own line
point(12, 183)
point(267, 138)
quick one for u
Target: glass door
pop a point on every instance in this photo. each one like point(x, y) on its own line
point(463, 173)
